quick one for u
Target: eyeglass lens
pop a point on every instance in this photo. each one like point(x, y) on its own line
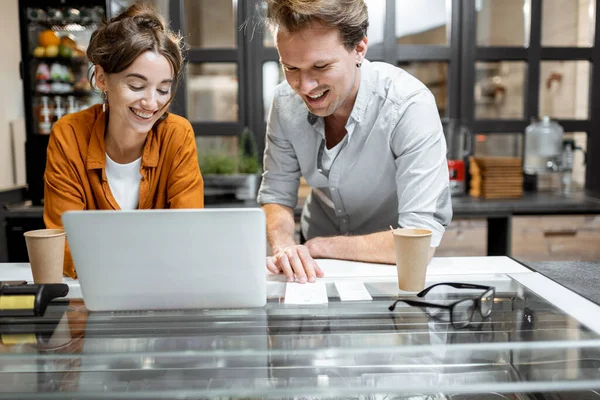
point(486, 302)
point(441, 314)
point(462, 313)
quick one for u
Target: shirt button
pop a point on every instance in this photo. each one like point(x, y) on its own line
point(320, 170)
point(339, 211)
point(333, 189)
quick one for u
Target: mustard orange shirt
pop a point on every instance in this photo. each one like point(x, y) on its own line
point(75, 177)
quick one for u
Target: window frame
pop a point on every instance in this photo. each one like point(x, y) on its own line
point(213, 55)
point(533, 55)
point(461, 54)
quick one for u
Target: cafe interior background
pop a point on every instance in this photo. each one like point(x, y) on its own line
point(495, 67)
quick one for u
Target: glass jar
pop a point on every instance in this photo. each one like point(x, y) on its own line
point(543, 146)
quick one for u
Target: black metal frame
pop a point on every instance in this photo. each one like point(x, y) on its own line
point(36, 144)
point(477, 302)
point(26, 56)
point(462, 53)
point(199, 55)
point(420, 53)
point(533, 55)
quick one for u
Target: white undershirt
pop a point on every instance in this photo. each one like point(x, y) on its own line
point(329, 155)
point(124, 181)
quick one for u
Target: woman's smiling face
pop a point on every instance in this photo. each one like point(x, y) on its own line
point(137, 97)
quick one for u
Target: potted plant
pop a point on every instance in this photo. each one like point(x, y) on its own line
point(240, 174)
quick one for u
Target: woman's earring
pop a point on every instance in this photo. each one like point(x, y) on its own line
point(104, 98)
point(358, 64)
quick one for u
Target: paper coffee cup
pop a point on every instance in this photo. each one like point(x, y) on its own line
point(46, 250)
point(412, 256)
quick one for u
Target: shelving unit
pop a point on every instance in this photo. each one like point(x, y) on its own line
point(64, 27)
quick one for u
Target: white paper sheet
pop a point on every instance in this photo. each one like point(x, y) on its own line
point(438, 266)
point(352, 291)
point(22, 272)
point(306, 293)
point(16, 272)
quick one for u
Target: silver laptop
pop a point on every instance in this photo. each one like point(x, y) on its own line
point(169, 259)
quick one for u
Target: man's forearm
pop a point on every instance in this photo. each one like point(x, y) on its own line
point(280, 226)
point(376, 247)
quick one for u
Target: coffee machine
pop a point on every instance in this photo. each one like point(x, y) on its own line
point(458, 140)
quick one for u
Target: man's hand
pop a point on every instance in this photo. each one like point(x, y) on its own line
point(294, 260)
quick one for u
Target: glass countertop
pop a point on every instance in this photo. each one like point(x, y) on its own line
point(526, 349)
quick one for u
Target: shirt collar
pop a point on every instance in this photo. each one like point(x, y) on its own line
point(362, 97)
point(96, 157)
point(364, 92)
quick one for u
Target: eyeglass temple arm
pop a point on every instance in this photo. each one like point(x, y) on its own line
point(418, 303)
point(453, 284)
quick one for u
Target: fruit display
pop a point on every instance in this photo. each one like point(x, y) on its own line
point(51, 45)
point(42, 73)
point(48, 38)
point(57, 80)
point(82, 85)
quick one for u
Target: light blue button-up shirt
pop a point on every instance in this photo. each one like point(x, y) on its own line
point(391, 170)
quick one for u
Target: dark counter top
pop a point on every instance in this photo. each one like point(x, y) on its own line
point(463, 206)
point(579, 276)
point(528, 204)
point(531, 203)
point(26, 210)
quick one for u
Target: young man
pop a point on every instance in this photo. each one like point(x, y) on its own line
point(367, 138)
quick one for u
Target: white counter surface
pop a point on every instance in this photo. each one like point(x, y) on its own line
point(440, 269)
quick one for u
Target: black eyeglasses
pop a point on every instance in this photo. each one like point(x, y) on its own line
point(460, 312)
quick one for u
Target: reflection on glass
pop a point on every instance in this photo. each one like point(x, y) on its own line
point(423, 22)
point(499, 89)
point(272, 76)
point(350, 348)
point(499, 145)
point(564, 89)
point(503, 22)
point(434, 75)
point(210, 24)
point(212, 92)
point(568, 23)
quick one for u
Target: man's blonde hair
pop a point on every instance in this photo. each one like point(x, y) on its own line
point(349, 17)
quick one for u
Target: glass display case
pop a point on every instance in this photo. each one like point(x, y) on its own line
point(526, 349)
point(54, 70)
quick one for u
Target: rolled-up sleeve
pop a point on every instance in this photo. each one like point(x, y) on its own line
point(281, 176)
point(186, 187)
point(422, 177)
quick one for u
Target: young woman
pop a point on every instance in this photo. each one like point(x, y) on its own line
point(128, 152)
